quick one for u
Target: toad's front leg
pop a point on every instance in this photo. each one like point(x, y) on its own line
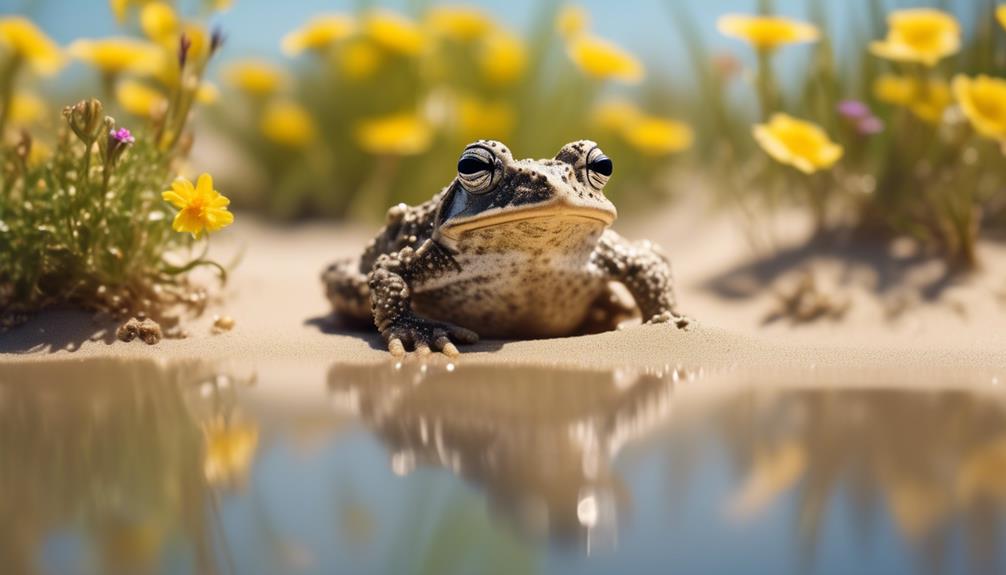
point(391, 302)
point(644, 270)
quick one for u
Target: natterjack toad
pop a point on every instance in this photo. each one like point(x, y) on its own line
point(511, 248)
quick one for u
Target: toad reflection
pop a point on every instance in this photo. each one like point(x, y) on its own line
point(539, 441)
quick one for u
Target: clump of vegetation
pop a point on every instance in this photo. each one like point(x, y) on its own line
point(85, 220)
point(909, 140)
point(374, 107)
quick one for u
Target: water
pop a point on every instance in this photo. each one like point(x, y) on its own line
point(137, 467)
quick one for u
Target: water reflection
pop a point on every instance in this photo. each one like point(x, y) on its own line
point(104, 464)
point(934, 461)
point(145, 467)
point(539, 441)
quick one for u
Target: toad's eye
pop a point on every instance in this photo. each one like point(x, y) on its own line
point(478, 169)
point(599, 168)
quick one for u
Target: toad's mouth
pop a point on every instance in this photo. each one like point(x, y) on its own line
point(456, 228)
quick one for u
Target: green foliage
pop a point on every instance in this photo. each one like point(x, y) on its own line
point(933, 179)
point(85, 225)
point(452, 97)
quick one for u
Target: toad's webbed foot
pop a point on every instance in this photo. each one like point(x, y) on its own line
point(410, 332)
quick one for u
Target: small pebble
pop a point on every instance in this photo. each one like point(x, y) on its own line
point(222, 323)
point(148, 330)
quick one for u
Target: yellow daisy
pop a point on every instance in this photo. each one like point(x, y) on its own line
point(394, 32)
point(398, 134)
point(767, 32)
point(118, 55)
point(256, 77)
point(287, 123)
point(656, 136)
point(28, 43)
point(461, 23)
point(201, 208)
point(983, 101)
point(797, 143)
point(920, 35)
point(602, 59)
point(139, 99)
point(503, 58)
point(318, 34)
point(927, 101)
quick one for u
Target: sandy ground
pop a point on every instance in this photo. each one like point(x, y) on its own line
point(903, 316)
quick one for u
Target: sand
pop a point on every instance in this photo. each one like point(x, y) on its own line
point(282, 318)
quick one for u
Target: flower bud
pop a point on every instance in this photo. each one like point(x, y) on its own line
point(184, 44)
point(85, 119)
point(118, 141)
point(217, 39)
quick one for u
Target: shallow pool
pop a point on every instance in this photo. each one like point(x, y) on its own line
point(133, 467)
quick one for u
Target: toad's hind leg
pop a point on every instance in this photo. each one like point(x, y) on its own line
point(347, 290)
point(612, 307)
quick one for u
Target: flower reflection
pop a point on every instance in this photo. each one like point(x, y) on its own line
point(230, 448)
point(935, 460)
point(115, 459)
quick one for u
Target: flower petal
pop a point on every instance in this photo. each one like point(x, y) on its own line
point(204, 186)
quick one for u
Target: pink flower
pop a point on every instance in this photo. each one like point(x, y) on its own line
point(122, 136)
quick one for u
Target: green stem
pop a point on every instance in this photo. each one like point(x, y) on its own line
point(766, 84)
point(7, 76)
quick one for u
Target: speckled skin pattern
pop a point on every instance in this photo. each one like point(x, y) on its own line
point(528, 255)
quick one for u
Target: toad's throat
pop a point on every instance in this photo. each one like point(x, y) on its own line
point(456, 229)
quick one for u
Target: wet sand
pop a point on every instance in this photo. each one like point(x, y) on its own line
point(282, 318)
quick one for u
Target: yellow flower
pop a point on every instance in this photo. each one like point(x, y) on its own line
point(478, 120)
point(201, 208)
point(256, 77)
point(287, 123)
point(26, 108)
point(221, 5)
point(927, 101)
point(230, 449)
point(658, 136)
point(983, 101)
point(599, 58)
point(767, 32)
point(139, 99)
point(980, 474)
point(398, 134)
point(359, 59)
point(460, 23)
point(616, 115)
point(1001, 14)
point(919, 35)
point(319, 34)
point(26, 42)
point(119, 7)
point(118, 55)
point(503, 58)
point(796, 143)
point(207, 93)
point(572, 21)
point(394, 32)
point(39, 154)
point(199, 41)
point(159, 21)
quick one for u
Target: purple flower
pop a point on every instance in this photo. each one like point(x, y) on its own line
point(854, 109)
point(122, 136)
point(870, 125)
